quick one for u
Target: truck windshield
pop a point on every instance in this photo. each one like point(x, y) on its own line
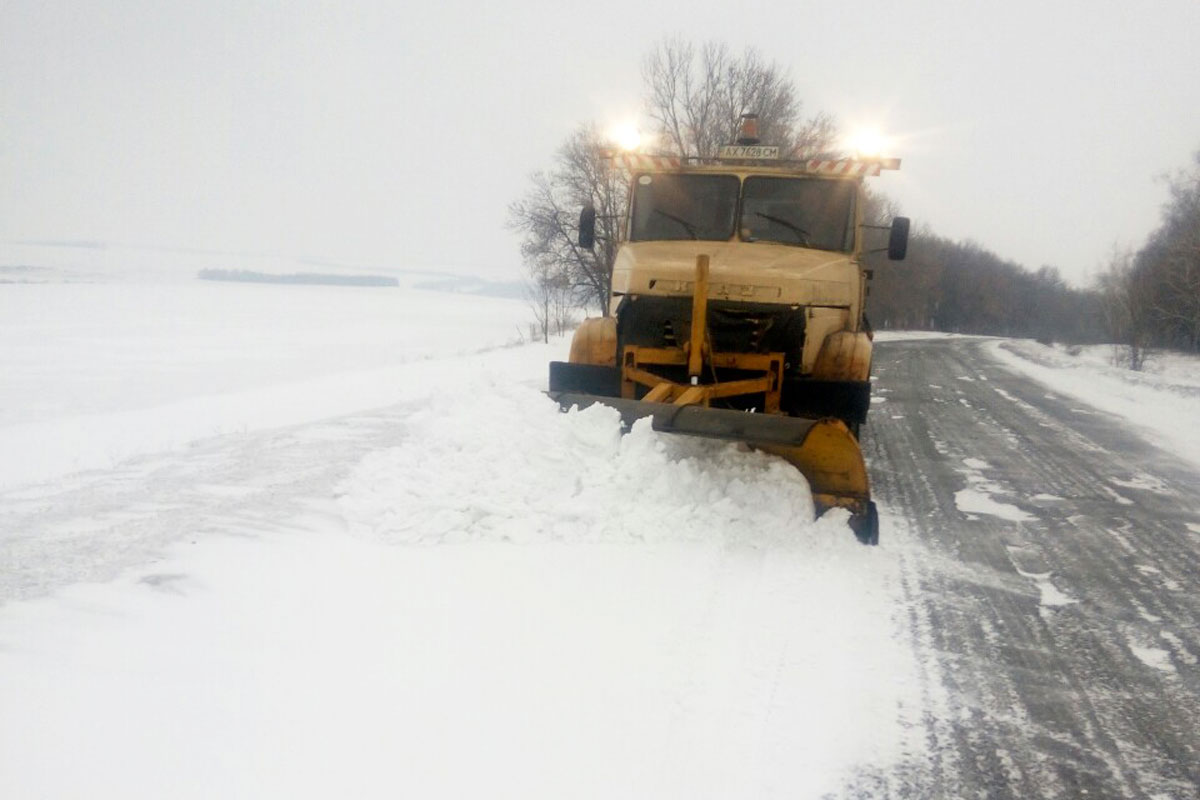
point(805, 212)
point(684, 207)
point(801, 211)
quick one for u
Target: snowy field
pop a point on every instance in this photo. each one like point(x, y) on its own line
point(98, 371)
point(264, 541)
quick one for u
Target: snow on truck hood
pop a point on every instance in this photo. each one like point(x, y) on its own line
point(758, 272)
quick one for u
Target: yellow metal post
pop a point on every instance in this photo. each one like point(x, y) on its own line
point(699, 318)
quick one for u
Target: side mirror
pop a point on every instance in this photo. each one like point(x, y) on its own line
point(898, 240)
point(587, 227)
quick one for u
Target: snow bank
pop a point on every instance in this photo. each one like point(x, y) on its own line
point(911, 336)
point(506, 464)
point(1159, 403)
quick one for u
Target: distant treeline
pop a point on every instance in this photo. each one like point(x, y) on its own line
point(1152, 296)
point(963, 288)
point(1144, 299)
point(248, 276)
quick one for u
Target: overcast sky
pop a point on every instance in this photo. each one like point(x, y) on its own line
point(396, 134)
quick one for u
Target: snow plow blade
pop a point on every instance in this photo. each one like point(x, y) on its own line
point(824, 450)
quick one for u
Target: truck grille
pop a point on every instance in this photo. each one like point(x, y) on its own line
point(734, 327)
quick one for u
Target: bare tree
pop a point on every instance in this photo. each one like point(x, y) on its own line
point(697, 97)
point(1171, 260)
point(1128, 305)
point(697, 101)
point(1153, 296)
point(548, 217)
point(551, 299)
point(1181, 306)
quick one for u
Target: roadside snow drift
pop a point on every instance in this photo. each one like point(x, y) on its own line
point(465, 475)
point(1161, 403)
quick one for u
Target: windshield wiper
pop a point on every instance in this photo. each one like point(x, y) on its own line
point(689, 227)
point(800, 232)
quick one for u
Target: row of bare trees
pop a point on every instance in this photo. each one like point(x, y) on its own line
point(561, 274)
point(961, 287)
point(1152, 296)
point(1143, 299)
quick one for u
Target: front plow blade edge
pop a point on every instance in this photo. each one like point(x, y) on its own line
point(824, 450)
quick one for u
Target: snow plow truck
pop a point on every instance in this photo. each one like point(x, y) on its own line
point(737, 310)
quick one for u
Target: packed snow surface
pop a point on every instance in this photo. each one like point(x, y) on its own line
point(399, 570)
point(978, 498)
point(973, 501)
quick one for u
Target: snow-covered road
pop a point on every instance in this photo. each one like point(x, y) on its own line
point(1052, 558)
